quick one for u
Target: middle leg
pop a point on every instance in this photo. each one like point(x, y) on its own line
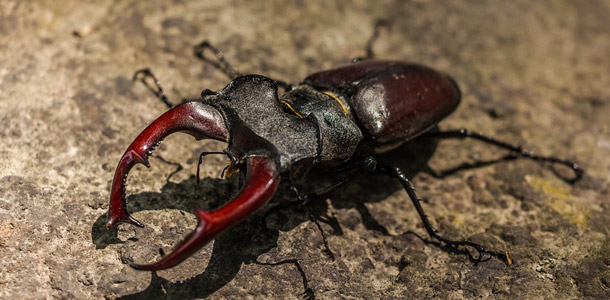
point(360, 167)
point(398, 174)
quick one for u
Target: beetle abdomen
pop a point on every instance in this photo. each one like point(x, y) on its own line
point(392, 101)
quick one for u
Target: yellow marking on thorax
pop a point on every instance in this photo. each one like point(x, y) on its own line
point(338, 101)
point(292, 109)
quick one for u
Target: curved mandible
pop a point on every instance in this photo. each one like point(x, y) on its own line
point(195, 118)
point(262, 179)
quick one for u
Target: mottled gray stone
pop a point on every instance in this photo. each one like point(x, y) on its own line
point(532, 72)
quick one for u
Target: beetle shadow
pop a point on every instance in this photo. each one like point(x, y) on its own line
point(245, 242)
point(411, 157)
point(240, 244)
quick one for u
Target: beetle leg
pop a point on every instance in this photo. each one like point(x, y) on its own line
point(158, 91)
point(223, 63)
point(201, 161)
point(370, 54)
point(299, 202)
point(302, 201)
point(225, 66)
point(464, 133)
point(308, 293)
point(177, 165)
point(306, 199)
point(358, 168)
point(398, 174)
point(468, 166)
point(313, 219)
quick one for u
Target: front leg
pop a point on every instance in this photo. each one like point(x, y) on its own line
point(144, 75)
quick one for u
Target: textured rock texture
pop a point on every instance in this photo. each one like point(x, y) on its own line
point(532, 72)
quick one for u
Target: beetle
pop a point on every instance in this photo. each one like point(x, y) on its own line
point(337, 119)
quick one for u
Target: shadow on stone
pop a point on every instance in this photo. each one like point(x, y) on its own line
point(245, 242)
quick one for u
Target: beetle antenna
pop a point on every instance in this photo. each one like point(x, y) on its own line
point(224, 170)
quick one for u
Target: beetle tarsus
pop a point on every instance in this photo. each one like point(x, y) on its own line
point(468, 166)
point(225, 66)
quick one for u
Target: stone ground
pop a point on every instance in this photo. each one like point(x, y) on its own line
point(532, 72)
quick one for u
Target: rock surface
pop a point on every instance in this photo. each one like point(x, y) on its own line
point(531, 72)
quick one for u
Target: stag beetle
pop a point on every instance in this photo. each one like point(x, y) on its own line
point(333, 119)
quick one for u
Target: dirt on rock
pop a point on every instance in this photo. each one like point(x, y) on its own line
point(531, 72)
